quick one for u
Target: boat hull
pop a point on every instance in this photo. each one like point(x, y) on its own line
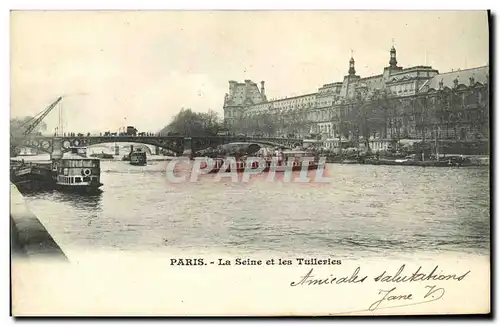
point(84, 189)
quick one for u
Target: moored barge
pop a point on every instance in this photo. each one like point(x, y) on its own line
point(32, 176)
point(284, 161)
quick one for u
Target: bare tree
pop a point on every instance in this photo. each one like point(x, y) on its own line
point(19, 125)
point(190, 123)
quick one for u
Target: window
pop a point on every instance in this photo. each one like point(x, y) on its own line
point(78, 179)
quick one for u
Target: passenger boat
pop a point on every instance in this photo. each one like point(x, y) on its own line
point(75, 172)
point(282, 162)
point(138, 157)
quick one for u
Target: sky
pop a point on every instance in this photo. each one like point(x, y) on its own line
point(141, 67)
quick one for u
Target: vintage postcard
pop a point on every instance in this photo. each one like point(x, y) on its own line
point(250, 163)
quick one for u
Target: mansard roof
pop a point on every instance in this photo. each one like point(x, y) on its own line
point(480, 74)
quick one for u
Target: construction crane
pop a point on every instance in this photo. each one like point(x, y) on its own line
point(35, 121)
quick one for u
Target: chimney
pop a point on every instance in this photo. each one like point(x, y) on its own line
point(262, 89)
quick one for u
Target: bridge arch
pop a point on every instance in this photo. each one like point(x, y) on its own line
point(145, 147)
point(204, 143)
point(42, 144)
point(33, 146)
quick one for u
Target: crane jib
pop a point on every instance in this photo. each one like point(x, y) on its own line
point(32, 126)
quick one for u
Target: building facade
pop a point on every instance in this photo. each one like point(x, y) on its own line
point(400, 103)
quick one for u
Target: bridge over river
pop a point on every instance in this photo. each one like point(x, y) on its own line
point(176, 144)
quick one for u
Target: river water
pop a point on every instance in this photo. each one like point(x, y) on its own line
point(365, 210)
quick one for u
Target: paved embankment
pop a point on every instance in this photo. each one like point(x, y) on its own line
point(29, 238)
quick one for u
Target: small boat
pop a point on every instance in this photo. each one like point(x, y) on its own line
point(102, 155)
point(350, 161)
point(75, 172)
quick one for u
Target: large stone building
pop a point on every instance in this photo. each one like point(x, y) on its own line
point(400, 103)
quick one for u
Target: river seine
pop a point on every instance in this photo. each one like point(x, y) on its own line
point(374, 211)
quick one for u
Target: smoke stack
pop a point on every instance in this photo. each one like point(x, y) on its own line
point(262, 89)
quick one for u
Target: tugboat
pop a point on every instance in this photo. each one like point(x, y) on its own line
point(138, 157)
point(75, 172)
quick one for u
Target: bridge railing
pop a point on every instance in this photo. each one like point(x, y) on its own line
point(152, 136)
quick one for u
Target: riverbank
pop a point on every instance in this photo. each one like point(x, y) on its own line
point(456, 160)
point(29, 238)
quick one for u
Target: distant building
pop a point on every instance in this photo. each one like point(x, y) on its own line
point(400, 103)
point(241, 96)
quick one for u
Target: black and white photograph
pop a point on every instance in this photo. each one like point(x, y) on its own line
point(250, 163)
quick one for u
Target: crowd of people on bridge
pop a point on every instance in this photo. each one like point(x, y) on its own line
point(72, 134)
point(107, 133)
point(139, 134)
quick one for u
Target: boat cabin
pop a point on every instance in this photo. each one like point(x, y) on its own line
point(75, 169)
